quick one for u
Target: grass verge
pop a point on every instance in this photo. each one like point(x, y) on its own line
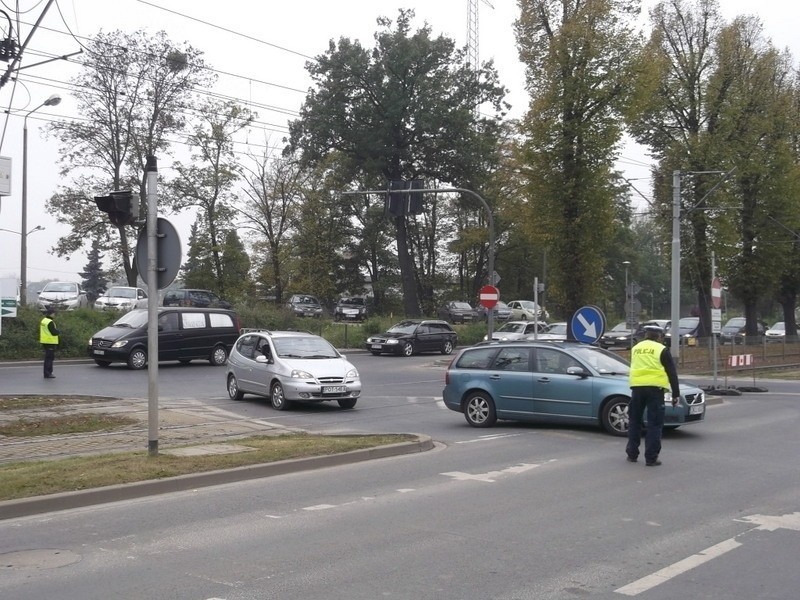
point(36, 478)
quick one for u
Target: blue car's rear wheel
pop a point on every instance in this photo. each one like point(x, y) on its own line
point(479, 410)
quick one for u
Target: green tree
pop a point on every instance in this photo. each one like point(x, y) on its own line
point(198, 270)
point(580, 58)
point(207, 182)
point(132, 93)
point(94, 277)
point(402, 110)
point(235, 267)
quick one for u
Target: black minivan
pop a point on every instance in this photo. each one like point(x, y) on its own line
point(184, 334)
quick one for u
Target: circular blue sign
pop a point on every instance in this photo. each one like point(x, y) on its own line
point(588, 324)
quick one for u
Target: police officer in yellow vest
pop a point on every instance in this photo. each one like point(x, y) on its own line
point(48, 337)
point(653, 374)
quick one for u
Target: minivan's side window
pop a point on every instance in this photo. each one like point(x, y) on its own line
point(168, 322)
point(193, 320)
point(220, 320)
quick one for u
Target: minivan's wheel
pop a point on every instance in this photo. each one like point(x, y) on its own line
point(447, 347)
point(233, 388)
point(137, 359)
point(218, 356)
point(277, 398)
point(408, 349)
point(347, 402)
point(614, 417)
point(102, 363)
point(479, 410)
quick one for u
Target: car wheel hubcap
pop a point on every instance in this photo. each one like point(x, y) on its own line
point(618, 417)
point(478, 410)
point(219, 356)
point(232, 387)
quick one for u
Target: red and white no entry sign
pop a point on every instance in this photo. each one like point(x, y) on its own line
point(489, 295)
point(716, 293)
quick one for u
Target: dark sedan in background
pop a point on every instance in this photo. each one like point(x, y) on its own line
point(457, 312)
point(412, 336)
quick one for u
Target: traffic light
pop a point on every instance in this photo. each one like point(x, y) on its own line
point(414, 206)
point(121, 207)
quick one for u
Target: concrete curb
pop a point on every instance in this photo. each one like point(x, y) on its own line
point(23, 507)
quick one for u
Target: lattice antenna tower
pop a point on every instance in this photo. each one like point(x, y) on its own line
point(473, 34)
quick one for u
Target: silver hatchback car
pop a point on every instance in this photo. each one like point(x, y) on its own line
point(289, 366)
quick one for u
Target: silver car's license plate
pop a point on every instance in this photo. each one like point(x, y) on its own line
point(334, 389)
point(696, 410)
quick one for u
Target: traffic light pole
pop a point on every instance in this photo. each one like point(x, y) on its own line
point(152, 305)
point(490, 313)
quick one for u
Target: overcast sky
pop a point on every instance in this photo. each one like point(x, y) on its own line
point(260, 55)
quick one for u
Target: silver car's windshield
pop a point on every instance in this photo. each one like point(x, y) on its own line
point(61, 288)
point(304, 347)
point(602, 361)
point(512, 328)
point(121, 292)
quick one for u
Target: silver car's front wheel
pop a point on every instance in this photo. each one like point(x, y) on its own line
point(233, 388)
point(277, 398)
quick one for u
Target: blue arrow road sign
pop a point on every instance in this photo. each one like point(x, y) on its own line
point(588, 324)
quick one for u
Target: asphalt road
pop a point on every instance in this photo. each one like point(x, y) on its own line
point(515, 512)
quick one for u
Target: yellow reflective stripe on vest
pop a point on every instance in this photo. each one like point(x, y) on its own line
point(45, 337)
point(646, 367)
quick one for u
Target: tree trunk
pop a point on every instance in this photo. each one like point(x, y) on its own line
point(410, 299)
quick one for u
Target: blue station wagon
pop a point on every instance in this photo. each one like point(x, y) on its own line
point(558, 382)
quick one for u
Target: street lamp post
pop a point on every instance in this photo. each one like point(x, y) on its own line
point(627, 306)
point(23, 259)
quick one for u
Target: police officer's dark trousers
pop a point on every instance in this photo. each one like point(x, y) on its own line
point(49, 358)
point(651, 399)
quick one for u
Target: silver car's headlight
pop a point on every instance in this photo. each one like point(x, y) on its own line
point(299, 374)
point(351, 374)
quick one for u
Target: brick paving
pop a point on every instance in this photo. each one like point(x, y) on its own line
point(181, 423)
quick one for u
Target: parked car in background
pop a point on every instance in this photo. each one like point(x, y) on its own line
point(303, 305)
point(777, 333)
point(457, 312)
point(687, 331)
point(733, 332)
point(184, 334)
point(527, 310)
point(638, 335)
point(500, 311)
point(552, 382)
point(350, 308)
point(193, 297)
point(618, 336)
point(554, 331)
point(514, 330)
point(290, 366)
point(62, 295)
point(412, 336)
point(121, 298)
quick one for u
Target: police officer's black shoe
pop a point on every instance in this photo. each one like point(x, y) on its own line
point(49, 376)
point(653, 463)
point(632, 459)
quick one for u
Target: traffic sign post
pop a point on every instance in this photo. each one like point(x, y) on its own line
point(716, 293)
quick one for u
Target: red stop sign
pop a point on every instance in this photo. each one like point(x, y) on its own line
point(489, 295)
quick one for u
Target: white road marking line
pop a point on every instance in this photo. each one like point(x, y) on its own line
point(487, 438)
point(771, 523)
point(675, 569)
point(491, 476)
point(320, 507)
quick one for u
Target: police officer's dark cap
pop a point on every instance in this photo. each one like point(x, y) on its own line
point(654, 328)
